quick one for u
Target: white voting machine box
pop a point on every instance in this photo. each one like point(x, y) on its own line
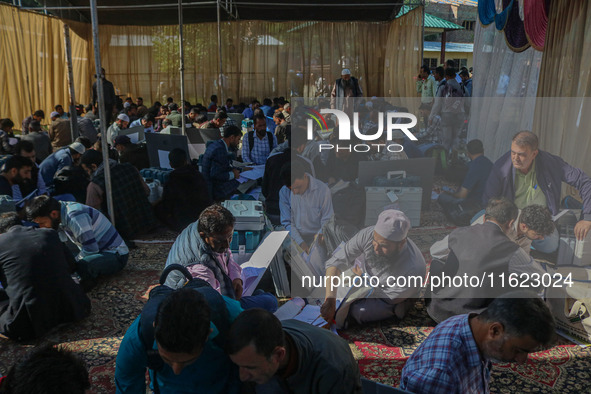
point(408, 199)
point(248, 213)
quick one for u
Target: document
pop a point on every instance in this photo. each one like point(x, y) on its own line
point(163, 159)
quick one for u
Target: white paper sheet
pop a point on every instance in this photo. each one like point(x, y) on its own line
point(134, 137)
point(311, 315)
point(257, 172)
point(163, 159)
point(261, 259)
point(290, 309)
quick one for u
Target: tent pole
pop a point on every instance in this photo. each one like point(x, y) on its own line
point(423, 36)
point(101, 108)
point(220, 77)
point(182, 66)
point(73, 113)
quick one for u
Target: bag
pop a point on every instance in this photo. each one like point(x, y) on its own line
point(156, 173)
point(571, 305)
point(453, 99)
point(251, 140)
point(73, 180)
point(219, 315)
point(7, 204)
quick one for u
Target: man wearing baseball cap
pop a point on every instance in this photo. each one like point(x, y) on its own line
point(344, 91)
point(382, 251)
point(120, 123)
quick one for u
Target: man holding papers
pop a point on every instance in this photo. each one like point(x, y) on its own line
point(384, 252)
point(204, 248)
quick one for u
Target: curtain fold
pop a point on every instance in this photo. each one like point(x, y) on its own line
point(33, 71)
point(563, 110)
point(505, 88)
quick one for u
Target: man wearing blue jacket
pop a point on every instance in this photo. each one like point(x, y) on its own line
point(179, 337)
point(528, 176)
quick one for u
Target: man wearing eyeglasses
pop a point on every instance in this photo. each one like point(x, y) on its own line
point(204, 248)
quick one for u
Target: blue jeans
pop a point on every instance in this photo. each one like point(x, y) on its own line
point(105, 263)
point(260, 299)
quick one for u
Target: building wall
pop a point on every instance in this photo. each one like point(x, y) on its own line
point(466, 16)
point(449, 55)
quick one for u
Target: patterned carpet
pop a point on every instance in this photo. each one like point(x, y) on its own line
point(381, 349)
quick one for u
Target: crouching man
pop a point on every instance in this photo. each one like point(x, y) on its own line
point(291, 356)
point(385, 252)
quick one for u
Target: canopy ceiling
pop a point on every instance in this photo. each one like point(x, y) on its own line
point(161, 12)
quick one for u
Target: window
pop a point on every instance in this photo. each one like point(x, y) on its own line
point(468, 25)
point(461, 63)
point(431, 62)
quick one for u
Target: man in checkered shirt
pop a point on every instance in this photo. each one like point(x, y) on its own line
point(263, 142)
point(457, 355)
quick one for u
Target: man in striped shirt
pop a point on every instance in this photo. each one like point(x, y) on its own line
point(102, 250)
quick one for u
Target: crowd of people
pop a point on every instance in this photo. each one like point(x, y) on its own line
point(198, 332)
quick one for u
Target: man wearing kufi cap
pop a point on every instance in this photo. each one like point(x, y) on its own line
point(381, 251)
point(344, 89)
point(120, 123)
point(68, 156)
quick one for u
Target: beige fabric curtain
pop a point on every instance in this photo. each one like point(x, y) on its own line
point(260, 59)
point(563, 123)
point(33, 72)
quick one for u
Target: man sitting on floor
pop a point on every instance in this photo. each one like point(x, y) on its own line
point(47, 366)
point(185, 193)
point(26, 149)
point(533, 223)
point(528, 176)
point(40, 139)
point(221, 178)
point(462, 205)
point(134, 154)
point(14, 172)
point(68, 156)
point(456, 357)
point(309, 208)
point(291, 356)
point(179, 338)
point(386, 252)
point(102, 250)
point(114, 130)
point(478, 249)
point(258, 144)
point(133, 211)
point(38, 292)
point(218, 121)
point(204, 248)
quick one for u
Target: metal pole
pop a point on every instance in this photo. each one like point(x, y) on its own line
point(423, 36)
point(73, 113)
point(220, 78)
point(101, 108)
point(182, 66)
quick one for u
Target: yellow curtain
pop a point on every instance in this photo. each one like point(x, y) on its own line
point(403, 55)
point(260, 59)
point(563, 107)
point(33, 72)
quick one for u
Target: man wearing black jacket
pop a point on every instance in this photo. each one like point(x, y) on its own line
point(38, 291)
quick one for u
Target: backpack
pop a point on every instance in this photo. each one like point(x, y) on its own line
point(251, 141)
point(453, 99)
point(219, 315)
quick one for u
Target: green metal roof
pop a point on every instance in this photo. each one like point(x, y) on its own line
point(431, 21)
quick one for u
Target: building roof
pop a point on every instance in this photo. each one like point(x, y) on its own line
point(435, 46)
point(158, 12)
point(431, 21)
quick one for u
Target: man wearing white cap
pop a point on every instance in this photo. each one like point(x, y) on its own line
point(59, 159)
point(120, 124)
point(344, 88)
point(382, 251)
